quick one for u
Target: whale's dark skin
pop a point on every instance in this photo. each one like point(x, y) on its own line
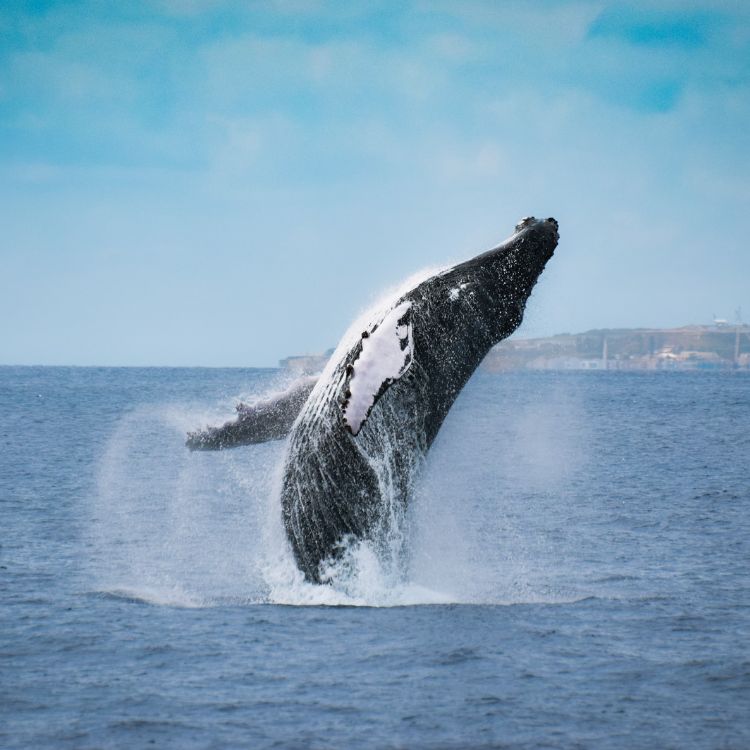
point(344, 481)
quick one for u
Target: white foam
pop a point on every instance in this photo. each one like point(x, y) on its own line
point(357, 579)
point(162, 597)
point(455, 293)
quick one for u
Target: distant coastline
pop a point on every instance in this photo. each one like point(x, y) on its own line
point(712, 347)
point(696, 347)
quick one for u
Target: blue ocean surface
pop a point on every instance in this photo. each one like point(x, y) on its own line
point(577, 576)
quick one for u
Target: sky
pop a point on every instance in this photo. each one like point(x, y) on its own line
point(199, 182)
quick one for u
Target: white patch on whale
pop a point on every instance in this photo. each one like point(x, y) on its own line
point(455, 293)
point(386, 355)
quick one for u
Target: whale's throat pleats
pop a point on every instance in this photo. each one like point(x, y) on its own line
point(386, 354)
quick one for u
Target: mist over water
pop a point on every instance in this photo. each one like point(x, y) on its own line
point(201, 529)
point(174, 527)
point(479, 508)
point(577, 544)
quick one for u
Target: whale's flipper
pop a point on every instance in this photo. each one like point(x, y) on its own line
point(271, 419)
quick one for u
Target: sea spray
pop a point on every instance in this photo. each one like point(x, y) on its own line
point(165, 520)
point(188, 529)
point(192, 530)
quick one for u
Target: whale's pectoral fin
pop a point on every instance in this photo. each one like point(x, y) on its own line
point(385, 354)
point(229, 435)
point(271, 419)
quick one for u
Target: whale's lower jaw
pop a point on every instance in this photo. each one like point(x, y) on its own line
point(358, 443)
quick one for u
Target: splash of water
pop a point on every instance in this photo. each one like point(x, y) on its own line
point(175, 528)
point(187, 529)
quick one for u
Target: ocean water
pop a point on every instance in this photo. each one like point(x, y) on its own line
point(578, 573)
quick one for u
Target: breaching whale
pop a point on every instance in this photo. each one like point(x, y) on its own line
point(364, 429)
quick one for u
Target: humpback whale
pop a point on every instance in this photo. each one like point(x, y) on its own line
point(362, 433)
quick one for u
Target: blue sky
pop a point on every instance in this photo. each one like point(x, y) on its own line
point(197, 182)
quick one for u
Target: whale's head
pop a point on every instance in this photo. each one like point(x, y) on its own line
point(542, 229)
point(488, 293)
point(522, 257)
point(537, 240)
